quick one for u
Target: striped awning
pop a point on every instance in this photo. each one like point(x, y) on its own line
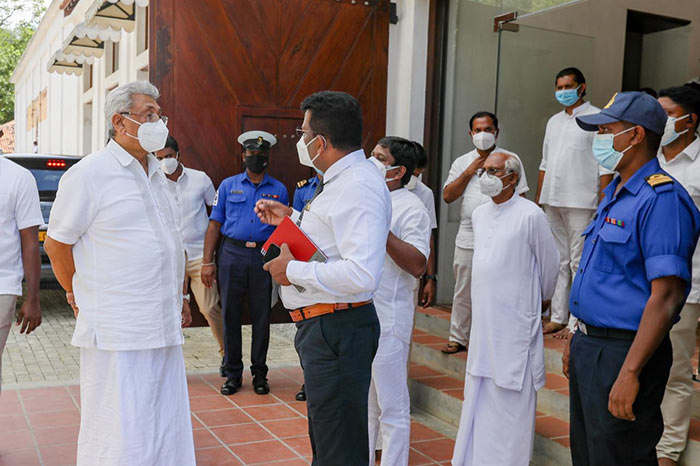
point(69, 64)
point(114, 14)
point(88, 41)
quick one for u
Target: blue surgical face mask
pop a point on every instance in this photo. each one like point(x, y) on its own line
point(670, 133)
point(604, 150)
point(567, 97)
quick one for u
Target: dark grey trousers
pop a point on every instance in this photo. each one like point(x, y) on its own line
point(336, 351)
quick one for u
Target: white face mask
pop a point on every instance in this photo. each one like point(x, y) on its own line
point(412, 183)
point(491, 185)
point(169, 165)
point(670, 133)
point(393, 167)
point(151, 136)
point(303, 153)
point(484, 140)
point(380, 166)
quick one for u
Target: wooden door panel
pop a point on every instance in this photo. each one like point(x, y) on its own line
point(228, 66)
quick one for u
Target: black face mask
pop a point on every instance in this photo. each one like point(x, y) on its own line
point(256, 163)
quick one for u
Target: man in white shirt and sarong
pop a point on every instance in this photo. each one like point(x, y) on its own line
point(114, 247)
point(569, 187)
point(463, 184)
point(408, 248)
point(515, 270)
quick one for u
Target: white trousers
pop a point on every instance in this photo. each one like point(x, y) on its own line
point(134, 408)
point(676, 407)
point(389, 403)
point(461, 317)
point(497, 426)
point(7, 315)
point(567, 225)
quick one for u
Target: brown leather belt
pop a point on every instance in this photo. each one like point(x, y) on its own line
point(316, 310)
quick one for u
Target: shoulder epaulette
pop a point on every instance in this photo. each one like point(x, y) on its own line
point(658, 179)
point(302, 183)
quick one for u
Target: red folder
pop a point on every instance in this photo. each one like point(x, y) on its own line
point(300, 245)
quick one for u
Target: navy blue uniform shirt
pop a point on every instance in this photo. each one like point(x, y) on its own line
point(235, 202)
point(640, 234)
point(304, 193)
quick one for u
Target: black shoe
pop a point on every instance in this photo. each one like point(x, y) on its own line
point(231, 386)
point(301, 394)
point(260, 385)
point(221, 368)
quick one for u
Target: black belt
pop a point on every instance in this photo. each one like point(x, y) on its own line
point(244, 244)
point(615, 333)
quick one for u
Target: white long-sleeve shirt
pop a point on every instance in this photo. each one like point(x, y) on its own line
point(349, 221)
point(394, 300)
point(515, 268)
point(572, 174)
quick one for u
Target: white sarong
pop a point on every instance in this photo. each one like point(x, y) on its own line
point(497, 426)
point(135, 408)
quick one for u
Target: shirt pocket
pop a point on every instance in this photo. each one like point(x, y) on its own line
point(614, 244)
point(235, 205)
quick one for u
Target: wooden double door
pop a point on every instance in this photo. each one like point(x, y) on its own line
point(228, 66)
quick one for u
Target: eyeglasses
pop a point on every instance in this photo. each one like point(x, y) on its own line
point(150, 116)
point(490, 171)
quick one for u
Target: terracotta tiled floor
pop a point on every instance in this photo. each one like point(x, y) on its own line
point(40, 426)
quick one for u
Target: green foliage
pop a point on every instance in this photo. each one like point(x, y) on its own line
point(18, 20)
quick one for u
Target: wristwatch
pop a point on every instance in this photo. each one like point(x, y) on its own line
point(430, 277)
point(186, 297)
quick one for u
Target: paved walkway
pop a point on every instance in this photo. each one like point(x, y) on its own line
point(39, 427)
point(46, 356)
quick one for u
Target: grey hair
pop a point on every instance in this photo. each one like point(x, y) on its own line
point(512, 165)
point(121, 100)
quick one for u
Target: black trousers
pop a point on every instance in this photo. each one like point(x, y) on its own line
point(336, 351)
point(240, 274)
point(598, 438)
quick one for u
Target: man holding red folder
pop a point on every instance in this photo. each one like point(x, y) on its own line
point(337, 325)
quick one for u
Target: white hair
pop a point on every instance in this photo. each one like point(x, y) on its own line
point(512, 165)
point(120, 100)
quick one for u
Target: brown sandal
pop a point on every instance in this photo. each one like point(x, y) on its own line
point(453, 347)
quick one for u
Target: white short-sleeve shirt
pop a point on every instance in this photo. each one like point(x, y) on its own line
point(428, 198)
point(685, 167)
point(472, 197)
point(193, 192)
point(129, 259)
point(19, 209)
point(572, 174)
point(395, 296)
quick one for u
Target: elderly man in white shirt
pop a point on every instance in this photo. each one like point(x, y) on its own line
point(337, 326)
point(408, 247)
point(679, 155)
point(515, 270)
point(462, 183)
point(569, 186)
point(114, 246)
point(193, 193)
point(20, 217)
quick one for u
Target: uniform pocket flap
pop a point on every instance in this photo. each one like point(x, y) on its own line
point(235, 198)
point(613, 234)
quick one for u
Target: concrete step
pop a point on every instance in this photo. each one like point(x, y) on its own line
point(432, 332)
point(440, 396)
point(436, 383)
